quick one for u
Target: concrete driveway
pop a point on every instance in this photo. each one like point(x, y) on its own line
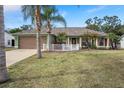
point(17, 55)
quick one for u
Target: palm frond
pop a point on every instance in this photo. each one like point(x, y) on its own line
point(59, 19)
point(50, 15)
point(28, 12)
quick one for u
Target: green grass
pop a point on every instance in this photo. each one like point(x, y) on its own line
point(94, 68)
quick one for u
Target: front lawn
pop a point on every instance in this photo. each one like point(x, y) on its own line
point(95, 68)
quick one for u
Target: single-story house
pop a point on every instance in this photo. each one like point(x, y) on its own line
point(122, 42)
point(9, 39)
point(27, 39)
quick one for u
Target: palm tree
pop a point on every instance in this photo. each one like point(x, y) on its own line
point(50, 15)
point(3, 69)
point(34, 12)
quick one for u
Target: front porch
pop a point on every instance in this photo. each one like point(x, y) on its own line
point(77, 43)
point(99, 42)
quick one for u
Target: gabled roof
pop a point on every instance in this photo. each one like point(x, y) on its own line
point(5, 31)
point(70, 31)
point(8, 32)
point(76, 31)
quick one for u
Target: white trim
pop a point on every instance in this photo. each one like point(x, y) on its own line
point(68, 40)
point(80, 41)
point(62, 47)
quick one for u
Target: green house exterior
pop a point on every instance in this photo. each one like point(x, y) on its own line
point(16, 41)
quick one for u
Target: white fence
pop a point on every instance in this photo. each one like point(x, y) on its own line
point(104, 47)
point(61, 47)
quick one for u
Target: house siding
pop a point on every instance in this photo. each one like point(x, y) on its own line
point(8, 38)
point(122, 43)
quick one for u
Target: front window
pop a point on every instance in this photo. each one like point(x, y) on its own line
point(101, 41)
point(73, 40)
point(8, 42)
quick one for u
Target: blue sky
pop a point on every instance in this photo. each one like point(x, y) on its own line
point(75, 16)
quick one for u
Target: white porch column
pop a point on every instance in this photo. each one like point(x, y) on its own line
point(68, 41)
point(80, 42)
point(16, 42)
point(108, 42)
point(96, 42)
point(104, 42)
point(91, 41)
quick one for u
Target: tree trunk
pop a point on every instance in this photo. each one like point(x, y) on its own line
point(38, 29)
point(3, 69)
point(112, 46)
point(39, 55)
point(116, 45)
point(49, 31)
point(48, 42)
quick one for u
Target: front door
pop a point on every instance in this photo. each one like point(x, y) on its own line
point(73, 40)
point(13, 42)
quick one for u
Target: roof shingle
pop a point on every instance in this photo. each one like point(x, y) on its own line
point(70, 31)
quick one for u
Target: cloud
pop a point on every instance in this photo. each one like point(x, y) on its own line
point(96, 9)
point(10, 8)
point(63, 13)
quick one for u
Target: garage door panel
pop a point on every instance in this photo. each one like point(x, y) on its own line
point(29, 42)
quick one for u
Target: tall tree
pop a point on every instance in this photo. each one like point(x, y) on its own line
point(108, 24)
point(34, 12)
point(112, 26)
point(3, 69)
point(94, 24)
point(50, 15)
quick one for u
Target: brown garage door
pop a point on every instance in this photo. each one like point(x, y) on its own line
point(29, 42)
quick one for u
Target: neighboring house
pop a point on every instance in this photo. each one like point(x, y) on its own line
point(27, 39)
point(122, 42)
point(9, 39)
